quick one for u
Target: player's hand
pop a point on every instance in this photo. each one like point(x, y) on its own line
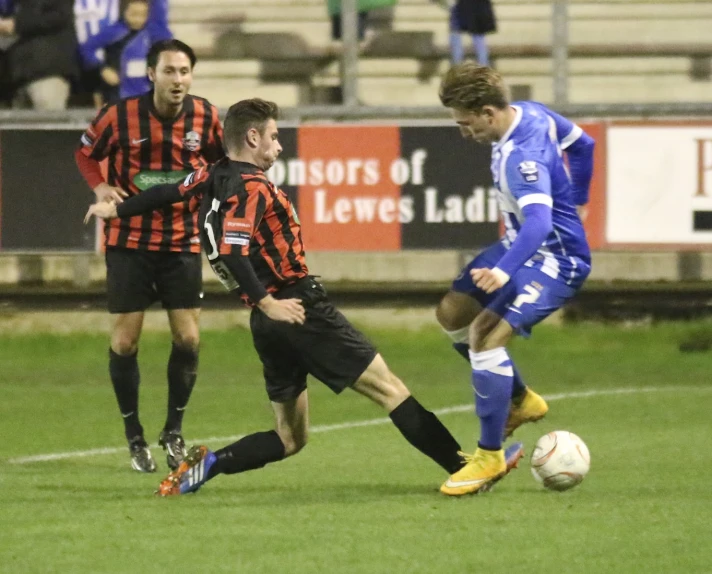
point(582, 211)
point(106, 192)
point(102, 209)
point(489, 280)
point(287, 310)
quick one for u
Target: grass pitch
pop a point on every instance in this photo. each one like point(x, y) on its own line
point(360, 500)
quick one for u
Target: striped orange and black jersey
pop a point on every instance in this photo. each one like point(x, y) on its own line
point(243, 214)
point(143, 150)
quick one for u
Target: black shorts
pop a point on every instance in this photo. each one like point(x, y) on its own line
point(135, 279)
point(326, 346)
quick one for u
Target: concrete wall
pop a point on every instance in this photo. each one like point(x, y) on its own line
point(408, 270)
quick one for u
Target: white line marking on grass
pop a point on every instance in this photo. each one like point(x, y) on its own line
point(356, 424)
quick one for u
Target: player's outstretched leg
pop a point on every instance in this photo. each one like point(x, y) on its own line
point(249, 453)
point(420, 427)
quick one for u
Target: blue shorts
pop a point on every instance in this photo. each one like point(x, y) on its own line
point(528, 297)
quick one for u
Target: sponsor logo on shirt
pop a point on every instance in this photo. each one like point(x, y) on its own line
point(191, 141)
point(529, 171)
point(236, 231)
point(145, 179)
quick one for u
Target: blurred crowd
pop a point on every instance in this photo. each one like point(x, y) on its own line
point(60, 53)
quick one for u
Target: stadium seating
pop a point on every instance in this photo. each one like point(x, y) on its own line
point(638, 51)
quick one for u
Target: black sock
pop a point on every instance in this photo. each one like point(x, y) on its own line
point(463, 350)
point(182, 372)
point(424, 431)
point(250, 452)
point(126, 378)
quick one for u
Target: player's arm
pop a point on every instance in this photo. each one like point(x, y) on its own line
point(530, 183)
point(153, 198)
point(578, 146)
point(244, 213)
point(96, 144)
point(109, 35)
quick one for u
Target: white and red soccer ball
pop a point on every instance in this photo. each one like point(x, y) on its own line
point(560, 460)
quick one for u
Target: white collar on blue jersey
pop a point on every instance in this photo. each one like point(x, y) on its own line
point(508, 134)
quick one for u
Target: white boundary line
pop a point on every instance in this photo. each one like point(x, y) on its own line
point(355, 424)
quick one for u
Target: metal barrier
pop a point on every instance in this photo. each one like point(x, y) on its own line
point(79, 118)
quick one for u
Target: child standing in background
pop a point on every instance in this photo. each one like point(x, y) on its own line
point(126, 44)
point(475, 17)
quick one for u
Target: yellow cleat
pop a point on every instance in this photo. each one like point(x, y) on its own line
point(481, 471)
point(529, 409)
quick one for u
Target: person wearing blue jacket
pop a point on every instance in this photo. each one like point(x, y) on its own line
point(91, 18)
point(126, 44)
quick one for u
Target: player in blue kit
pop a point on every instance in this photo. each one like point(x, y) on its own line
point(533, 270)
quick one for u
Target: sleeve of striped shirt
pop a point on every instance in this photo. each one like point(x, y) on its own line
point(242, 218)
point(100, 138)
point(194, 183)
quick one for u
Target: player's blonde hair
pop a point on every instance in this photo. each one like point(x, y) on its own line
point(469, 86)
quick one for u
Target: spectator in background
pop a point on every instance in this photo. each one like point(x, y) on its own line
point(43, 59)
point(92, 17)
point(126, 44)
point(363, 7)
point(475, 17)
point(7, 10)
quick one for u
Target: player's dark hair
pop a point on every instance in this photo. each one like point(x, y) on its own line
point(172, 45)
point(244, 116)
point(469, 86)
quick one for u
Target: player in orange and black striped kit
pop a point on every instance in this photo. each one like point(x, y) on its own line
point(252, 237)
point(156, 138)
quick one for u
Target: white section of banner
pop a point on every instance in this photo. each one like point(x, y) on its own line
point(659, 185)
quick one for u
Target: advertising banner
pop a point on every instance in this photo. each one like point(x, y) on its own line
point(356, 188)
point(44, 197)
point(659, 185)
point(385, 188)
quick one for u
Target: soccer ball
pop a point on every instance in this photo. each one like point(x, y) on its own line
point(560, 460)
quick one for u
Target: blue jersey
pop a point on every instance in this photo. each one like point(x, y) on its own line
point(528, 168)
point(134, 48)
point(93, 16)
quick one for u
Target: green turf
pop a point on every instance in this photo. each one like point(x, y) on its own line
point(361, 500)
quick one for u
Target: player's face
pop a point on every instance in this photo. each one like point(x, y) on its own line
point(172, 77)
point(136, 15)
point(479, 127)
point(269, 147)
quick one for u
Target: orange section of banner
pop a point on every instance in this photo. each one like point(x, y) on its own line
point(348, 200)
point(595, 222)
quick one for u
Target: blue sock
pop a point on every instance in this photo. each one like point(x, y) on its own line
point(518, 386)
point(492, 376)
point(481, 49)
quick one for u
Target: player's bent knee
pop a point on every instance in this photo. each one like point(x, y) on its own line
point(456, 310)
point(489, 331)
